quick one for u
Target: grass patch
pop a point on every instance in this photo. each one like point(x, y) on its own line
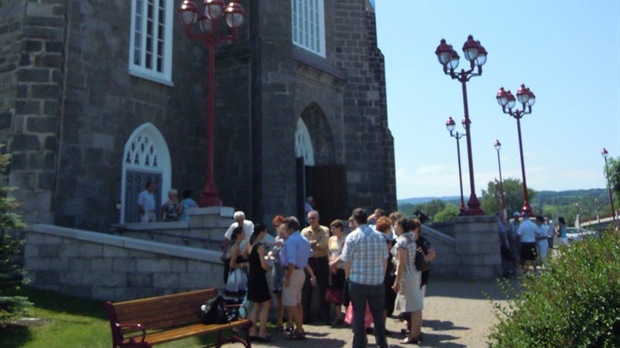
point(70, 322)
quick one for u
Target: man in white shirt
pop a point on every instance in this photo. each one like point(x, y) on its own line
point(146, 203)
point(550, 230)
point(527, 234)
point(248, 227)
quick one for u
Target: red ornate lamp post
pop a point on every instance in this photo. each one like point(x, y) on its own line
point(604, 153)
point(498, 147)
point(449, 59)
point(507, 101)
point(207, 20)
point(450, 125)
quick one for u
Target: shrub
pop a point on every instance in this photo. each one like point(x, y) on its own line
point(11, 274)
point(575, 303)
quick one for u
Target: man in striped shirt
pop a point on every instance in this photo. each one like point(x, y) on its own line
point(365, 257)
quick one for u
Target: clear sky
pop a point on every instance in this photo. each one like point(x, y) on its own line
point(566, 51)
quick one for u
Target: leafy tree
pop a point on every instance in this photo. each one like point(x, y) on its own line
point(449, 212)
point(613, 169)
point(11, 275)
point(513, 196)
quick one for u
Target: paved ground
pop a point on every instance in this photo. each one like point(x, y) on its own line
point(456, 314)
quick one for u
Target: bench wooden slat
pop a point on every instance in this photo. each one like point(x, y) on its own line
point(165, 318)
point(191, 331)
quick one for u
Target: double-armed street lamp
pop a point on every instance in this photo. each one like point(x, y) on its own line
point(498, 147)
point(604, 153)
point(449, 59)
point(208, 34)
point(507, 101)
point(450, 125)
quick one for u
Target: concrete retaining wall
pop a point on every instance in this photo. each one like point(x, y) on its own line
point(108, 267)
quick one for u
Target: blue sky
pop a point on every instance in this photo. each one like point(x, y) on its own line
point(566, 51)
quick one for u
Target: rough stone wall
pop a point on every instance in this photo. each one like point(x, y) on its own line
point(114, 268)
point(33, 138)
point(103, 105)
point(12, 14)
point(369, 153)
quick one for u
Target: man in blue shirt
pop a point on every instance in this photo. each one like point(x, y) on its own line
point(365, 260)
point(296, 253)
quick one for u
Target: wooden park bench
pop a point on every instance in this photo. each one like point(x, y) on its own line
point(146, 322)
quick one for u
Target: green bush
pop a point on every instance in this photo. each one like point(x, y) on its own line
point(11, 275)
point(574, 303)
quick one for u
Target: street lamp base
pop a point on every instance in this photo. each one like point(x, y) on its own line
point(526, 209)
point(210, 196)
point(473, 206)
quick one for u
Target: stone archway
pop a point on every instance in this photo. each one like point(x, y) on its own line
point(320, 133)
point(145, 158)
point(303, 143)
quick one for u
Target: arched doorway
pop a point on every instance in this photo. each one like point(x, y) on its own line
point(318, 174)
point(145, 158)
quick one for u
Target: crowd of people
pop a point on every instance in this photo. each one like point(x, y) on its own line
point(528, 242)
point(370, 274)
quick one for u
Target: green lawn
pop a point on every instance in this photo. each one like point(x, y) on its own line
point(70, 322)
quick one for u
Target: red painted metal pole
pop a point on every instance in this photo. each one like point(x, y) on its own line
point(473, 204)
point(526, 205)
point(458, 154)
point(209, 192)
point(501, 185)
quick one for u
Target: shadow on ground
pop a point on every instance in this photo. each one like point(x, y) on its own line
point(470, 289)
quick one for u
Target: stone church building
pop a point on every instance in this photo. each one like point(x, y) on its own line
point(97, 97)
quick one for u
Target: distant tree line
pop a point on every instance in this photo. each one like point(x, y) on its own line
point(587, 203)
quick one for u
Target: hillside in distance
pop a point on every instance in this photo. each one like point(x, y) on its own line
point(422, 200)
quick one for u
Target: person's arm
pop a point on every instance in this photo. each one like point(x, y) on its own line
point(312, 277)
point(431, 252)
point(261, 254)
point(224, 249)
point(289, 274)
point(347, 269)
point(402, 258)
point(322, 244)
point(141, 204)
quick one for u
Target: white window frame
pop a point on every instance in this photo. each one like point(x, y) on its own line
point(138, 32)
point(160, 149)
point(308, 23)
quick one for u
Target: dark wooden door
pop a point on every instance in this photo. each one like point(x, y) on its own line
point(301, 189)
point(135, 182)
point(328, 186)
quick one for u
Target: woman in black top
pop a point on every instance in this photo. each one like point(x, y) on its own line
point(258, 289)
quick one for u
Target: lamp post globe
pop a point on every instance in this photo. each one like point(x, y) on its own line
point(450, 126)
point(209, 36)
point(476, 55)
point(507, 101)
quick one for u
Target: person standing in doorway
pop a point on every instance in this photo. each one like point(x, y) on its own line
point(365, 256)
point(146, 203)
point(318, 236)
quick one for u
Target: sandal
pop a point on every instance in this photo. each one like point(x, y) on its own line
point(412, 340)
point(296, 335)
point(267, 338)
point(338, 322)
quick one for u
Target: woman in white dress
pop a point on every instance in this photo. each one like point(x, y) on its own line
point(407, 284)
